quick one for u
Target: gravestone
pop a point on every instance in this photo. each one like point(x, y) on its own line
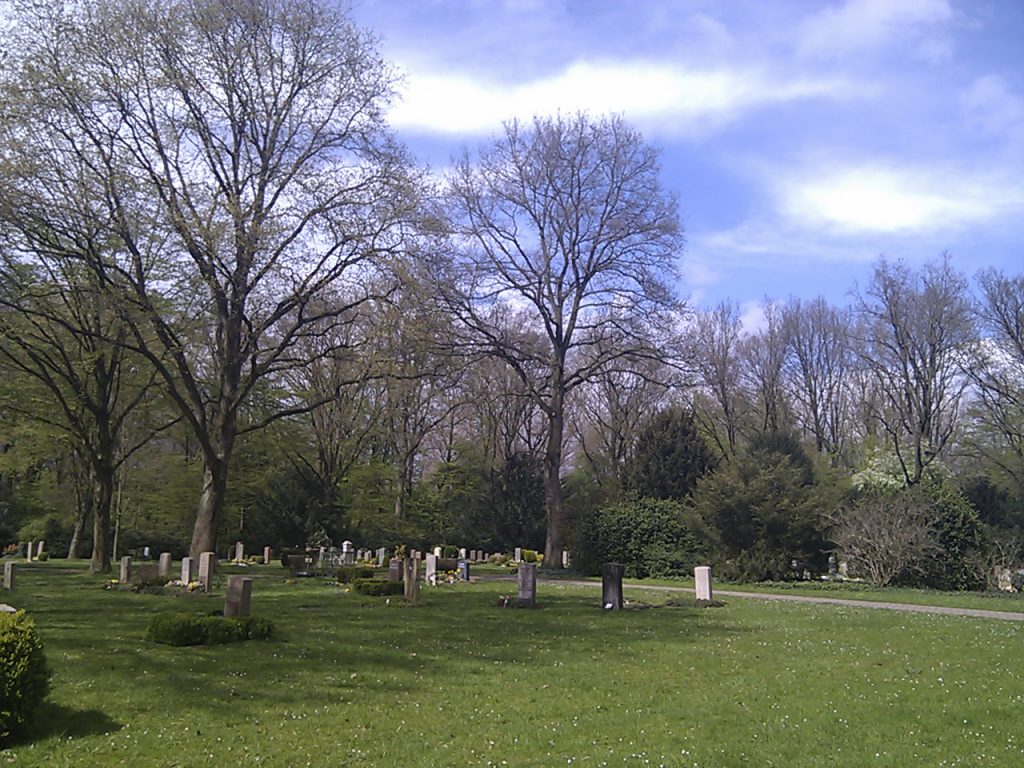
point(437, 551)
point(463, 566)
point(188, 570)
point(382, 555)
point(28, 551)
point(833, 567)
point(565, 558)
point(844, 569)
point(9, 575)
point(527, 585)
point(268, 555)
point(39, 548)
point(519, 554)
point(164, 568)
point(239, 552)
point(412, 585)
point(126, 570)
point(702, 580)
point(395, 569)
point(239, 596)
point(207, 566)
point(611, 586)
point(462, 553)
point(145, 553)
point(431, 572)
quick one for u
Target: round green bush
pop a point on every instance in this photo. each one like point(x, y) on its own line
point(24, 675)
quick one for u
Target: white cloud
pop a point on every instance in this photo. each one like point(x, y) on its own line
point(668, 97)
point(990, 106)
point(859, 25)
point(881, 199)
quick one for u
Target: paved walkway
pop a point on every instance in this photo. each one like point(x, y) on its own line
point(976, 613)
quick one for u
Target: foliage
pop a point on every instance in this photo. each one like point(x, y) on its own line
point(193, 629)
point(378, 587)
point(650, 537)
point(959, 537)
point(24, 674)
point(349, 573)
point(529, 555)
point(669, 457)
point(762, 510)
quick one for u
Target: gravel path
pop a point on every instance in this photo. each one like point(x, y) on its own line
point(975, 613)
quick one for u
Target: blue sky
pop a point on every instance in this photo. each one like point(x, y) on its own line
point(803, 139)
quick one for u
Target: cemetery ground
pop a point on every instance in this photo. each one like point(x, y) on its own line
point(352, 680)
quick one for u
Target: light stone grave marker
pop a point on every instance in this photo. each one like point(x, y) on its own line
point(412, 584)
point(164, 567)
point(239, 552)
point(702, 580)
point(39, 548)
point(527, 583)
point(188, 570)
point(28, 551)
point(207, 567)
point(519, 554)
point(431, 572)
point(126, 570)
point(268, 555)
point(9, 575)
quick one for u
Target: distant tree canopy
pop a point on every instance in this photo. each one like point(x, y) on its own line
point(668, 457)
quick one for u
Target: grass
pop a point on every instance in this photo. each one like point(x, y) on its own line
point(355, 681)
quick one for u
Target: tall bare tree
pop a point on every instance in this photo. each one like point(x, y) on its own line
point(563, 226)
point(717, 356)
point(237, 158)
point(817, 371)
point(763, 355)
point(998, 373)
point(918, 329)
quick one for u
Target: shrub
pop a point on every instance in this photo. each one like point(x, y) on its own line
point(529, 556)
point(378, 587)
point(650, 537)
point(449, 550)
point(192, 629)
point(346, 574)
point(24, 675)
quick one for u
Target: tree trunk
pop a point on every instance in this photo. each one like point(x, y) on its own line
point(553, 487)
point(101, 519)
point(76, 534)
point(211, 507)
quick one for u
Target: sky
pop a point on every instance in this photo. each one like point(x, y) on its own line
point(803, 139)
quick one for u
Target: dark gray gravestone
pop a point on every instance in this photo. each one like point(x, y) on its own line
point(239, 596)
point(528, 585)
point(395, 569)
point(611, 586)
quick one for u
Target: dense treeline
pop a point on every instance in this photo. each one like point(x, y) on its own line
point(233, 308)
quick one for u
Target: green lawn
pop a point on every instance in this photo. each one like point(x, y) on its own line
point(356, 681)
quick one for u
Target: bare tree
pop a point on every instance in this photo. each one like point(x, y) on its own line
point(817, 371)
point(763, 355)
point(609, 412)
point(918, 328)
point(885, 534)
point(718, 360)
point(238, 162)
point(998, 373)
point(564, 226)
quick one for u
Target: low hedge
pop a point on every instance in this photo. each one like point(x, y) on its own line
point(193, 629)
point(346, 574)
point(24, 674)
point(378, 587)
